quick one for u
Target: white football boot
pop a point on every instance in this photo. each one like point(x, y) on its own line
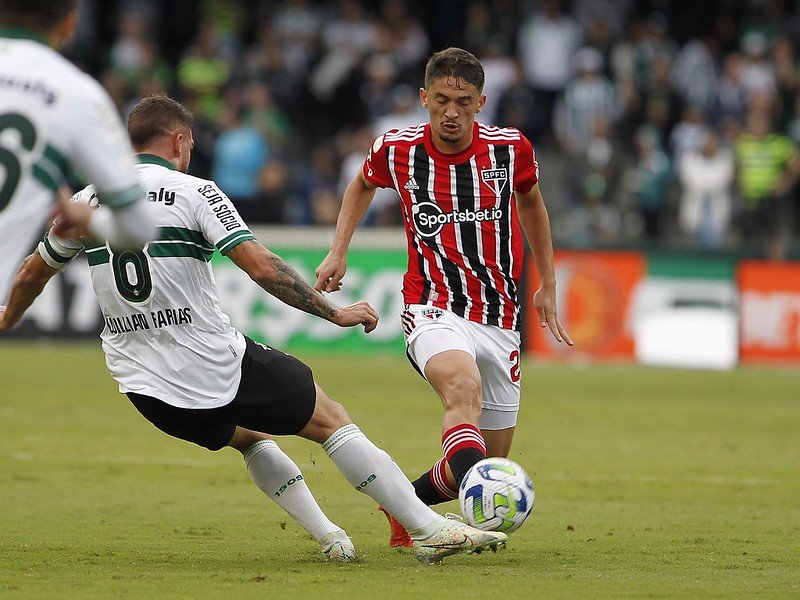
point(456, 537)
point(337, 547)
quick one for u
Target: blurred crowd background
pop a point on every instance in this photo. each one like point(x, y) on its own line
point(668, 124)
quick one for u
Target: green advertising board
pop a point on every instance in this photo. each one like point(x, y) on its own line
point(372, 275)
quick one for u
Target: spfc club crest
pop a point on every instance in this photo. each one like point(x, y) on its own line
point(431, 313)
point(495, 178)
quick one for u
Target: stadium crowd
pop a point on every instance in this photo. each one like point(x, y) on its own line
point(654, 122)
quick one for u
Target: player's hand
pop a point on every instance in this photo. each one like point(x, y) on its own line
point(3, 324)
point(330, 272)
point(359, 313)
point(71, 219)
point(544, 301)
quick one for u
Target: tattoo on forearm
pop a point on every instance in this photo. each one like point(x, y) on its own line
point(292, 289)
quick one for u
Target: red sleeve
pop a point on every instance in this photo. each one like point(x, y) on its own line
point(376, 166)
point(526, 167)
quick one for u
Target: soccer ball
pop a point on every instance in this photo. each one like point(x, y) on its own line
point(496, 494)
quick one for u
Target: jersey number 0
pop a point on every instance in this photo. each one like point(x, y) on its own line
point(132, 275)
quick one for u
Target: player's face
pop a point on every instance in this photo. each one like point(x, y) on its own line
point(452, 104)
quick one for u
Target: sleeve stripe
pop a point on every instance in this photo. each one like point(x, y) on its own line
point(51, 169)
point(55, 157)
point(50, 256)
point(121, 199)
point(227, 244)
point(44, 177)
point(185, 235)
point(52, 252)
point(98, 257)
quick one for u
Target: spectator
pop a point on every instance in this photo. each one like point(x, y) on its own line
point(239, 157)
point(694, 73)
point(203, 71)
point(501, 73)
point(347, 38)
point(688, 134)
point(731, 96)
point(758, 75)
point(588, 98)
point(547, 41)
point(648, 180)
point(767, 167)
point(406, 110)
point(404, 38)
point(706, 175)
point(517, 107)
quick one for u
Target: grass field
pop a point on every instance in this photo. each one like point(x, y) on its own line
point(650, 484)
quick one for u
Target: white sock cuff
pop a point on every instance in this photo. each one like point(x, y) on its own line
point(340, 437)
point(259, 446)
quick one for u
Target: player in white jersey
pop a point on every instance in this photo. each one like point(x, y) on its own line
point(55, 119)
point(190, 373)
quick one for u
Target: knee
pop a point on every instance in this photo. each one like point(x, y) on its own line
point(337, 415)
point(328, 416)
point(244, 438)
point(462, 391)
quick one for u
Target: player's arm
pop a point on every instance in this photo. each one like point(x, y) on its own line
point(357, 198)
point(278, 278)
point(29, 281)
point(535, 223)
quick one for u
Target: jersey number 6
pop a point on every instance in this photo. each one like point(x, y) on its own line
point(8, 159)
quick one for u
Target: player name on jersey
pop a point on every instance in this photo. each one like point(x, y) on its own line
point(158, 318)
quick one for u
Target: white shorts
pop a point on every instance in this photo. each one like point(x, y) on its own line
point(430, 331)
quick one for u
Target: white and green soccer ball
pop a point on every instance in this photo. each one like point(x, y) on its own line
point(496, 494)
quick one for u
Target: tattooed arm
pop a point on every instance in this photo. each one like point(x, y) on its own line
point(278, 278)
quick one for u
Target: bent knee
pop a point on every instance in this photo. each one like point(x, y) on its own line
point(461, 391)
point(337, 415)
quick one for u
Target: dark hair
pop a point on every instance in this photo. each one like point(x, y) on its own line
point(455, 62)
point(36, 14)
point(155, 116)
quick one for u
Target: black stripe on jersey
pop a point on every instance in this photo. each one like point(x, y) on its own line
point(466, 192)
point(451, 271)
point(426, 285)
point(503, 157)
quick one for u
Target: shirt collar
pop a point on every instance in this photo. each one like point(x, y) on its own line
point(152, 159)
point(21, 33)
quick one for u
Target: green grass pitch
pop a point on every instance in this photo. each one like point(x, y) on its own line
point(650, 484)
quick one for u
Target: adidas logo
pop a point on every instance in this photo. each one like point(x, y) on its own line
point(411, 185)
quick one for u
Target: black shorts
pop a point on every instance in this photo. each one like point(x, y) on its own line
point(276, 395)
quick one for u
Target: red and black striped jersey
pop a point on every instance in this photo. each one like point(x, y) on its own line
point(465, 246)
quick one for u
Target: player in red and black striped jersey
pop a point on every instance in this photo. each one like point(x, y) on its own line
point(468, 193)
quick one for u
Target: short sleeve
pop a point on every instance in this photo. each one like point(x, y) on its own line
point(219, 220)
point(376, 166)
point(526, 167)
point(99, 148)
point(58, 252)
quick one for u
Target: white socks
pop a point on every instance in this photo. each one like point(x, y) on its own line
point(280, 479)
point(370, 470)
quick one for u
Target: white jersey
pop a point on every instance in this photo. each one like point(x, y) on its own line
point(165, 334)
point(53, 119)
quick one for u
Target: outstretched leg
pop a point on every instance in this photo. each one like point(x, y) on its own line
point(372, 471)
point(280, 479)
